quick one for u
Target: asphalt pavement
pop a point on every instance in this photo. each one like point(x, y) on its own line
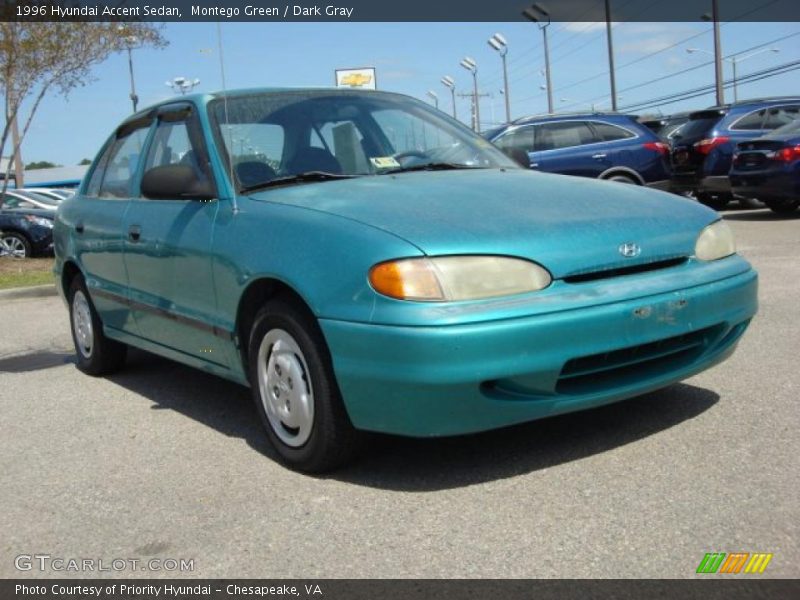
point(162, 461)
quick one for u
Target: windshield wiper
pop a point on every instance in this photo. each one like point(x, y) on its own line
point(307, 177)
point(431, 166)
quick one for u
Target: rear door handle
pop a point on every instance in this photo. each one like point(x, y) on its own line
point(598, 155)
point(134, 233)
point(79, 227)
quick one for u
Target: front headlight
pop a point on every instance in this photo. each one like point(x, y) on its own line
point(715, 241)
point(41, 221)
point(450, 278)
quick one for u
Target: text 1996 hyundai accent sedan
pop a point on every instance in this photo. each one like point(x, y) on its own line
point(365, 263)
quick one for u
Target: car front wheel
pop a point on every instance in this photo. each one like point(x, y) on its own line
point(96, 354)
point(295, 391)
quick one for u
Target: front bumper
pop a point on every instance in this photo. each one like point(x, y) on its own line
point(455, 379)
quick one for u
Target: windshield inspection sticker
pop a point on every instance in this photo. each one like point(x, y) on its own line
point(384, 162)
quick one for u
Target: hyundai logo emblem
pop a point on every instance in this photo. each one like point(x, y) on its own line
point(629, 250)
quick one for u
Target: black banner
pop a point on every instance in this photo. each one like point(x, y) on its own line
point(749, 587)
point(407, 10)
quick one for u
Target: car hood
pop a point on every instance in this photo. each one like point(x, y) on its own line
point(570, 225)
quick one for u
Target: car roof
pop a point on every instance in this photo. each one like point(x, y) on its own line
point(566, 116)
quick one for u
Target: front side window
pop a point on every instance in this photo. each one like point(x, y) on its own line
point(780, 116)
point(113, 175)
point(288, 136)
point(517, 139)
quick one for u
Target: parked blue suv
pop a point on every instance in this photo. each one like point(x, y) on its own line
point(702, 149)
point(608, 146)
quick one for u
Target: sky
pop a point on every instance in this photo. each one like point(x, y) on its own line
point(411, 58)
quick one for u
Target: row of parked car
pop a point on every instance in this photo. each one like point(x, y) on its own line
point(26, 220)
point(747, 150)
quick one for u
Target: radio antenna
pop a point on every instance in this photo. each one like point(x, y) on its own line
point(227, 119)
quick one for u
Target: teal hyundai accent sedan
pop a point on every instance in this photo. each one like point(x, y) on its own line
point(364, 263)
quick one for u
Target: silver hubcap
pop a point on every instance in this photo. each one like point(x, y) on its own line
point(12, 246)
point(82, 324)
point(285, 388)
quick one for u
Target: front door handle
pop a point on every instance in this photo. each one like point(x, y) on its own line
point(534, 165)
point(598, 155)
point(134, 233)
point(79, 226)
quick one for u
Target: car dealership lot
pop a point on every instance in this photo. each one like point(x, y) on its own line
point(165, 461)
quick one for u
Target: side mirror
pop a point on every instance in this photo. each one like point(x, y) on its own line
point(519, 156)
point(176, 182)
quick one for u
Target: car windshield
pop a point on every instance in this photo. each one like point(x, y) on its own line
point(279, 138)
point(41, 198)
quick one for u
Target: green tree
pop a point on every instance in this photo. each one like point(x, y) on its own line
point(37, 58)
point(41, 164)
point(84, 162)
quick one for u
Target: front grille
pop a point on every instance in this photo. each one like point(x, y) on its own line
point(632, 270)
point(610, 369)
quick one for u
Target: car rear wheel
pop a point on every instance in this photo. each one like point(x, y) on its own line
point(620, 178)
point(783, 207)
point(295, 391)
point(717, 202)
point(96, 354)
point(15, 245)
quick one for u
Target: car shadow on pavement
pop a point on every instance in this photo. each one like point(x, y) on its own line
point(760, 215)
point(406, 464)
point(35, 361)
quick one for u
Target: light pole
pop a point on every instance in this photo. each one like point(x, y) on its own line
point(130, 40)
point(434, 97)
point(612, 77)
point(498, 42)
point(182, 85)
point(449, 83)
point(734, 60)
point(537, 13)
point(714, 17)
point(470, 65)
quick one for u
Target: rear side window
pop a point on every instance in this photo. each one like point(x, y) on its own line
point(750, 122)
point(553, 136)
point(611, 133)
point(779, 116)
point(115, 169)
point(518, 139)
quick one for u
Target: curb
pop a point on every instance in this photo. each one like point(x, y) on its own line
point(34, 291)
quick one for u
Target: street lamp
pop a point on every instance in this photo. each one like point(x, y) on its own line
point(537, 13)
point(498, 42)
point(182, 85)
point(448, 82)
point(130, 41)
point(714, 17)
point(470, 65)
point(434, 97)
point(734, 60)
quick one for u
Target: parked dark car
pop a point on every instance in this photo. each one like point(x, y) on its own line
point(25, 232)
point(769, 168)
point(702, 149)
point(615, 147)
point(665, 127)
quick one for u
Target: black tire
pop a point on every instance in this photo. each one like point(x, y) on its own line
point(783, 207)
point(621, 178)
point(717, 202)
point(751, 203)
point(326, 439)
point(96, 354)
point(19, 243)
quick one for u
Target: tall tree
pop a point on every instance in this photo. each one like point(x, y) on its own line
point(37, 58)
